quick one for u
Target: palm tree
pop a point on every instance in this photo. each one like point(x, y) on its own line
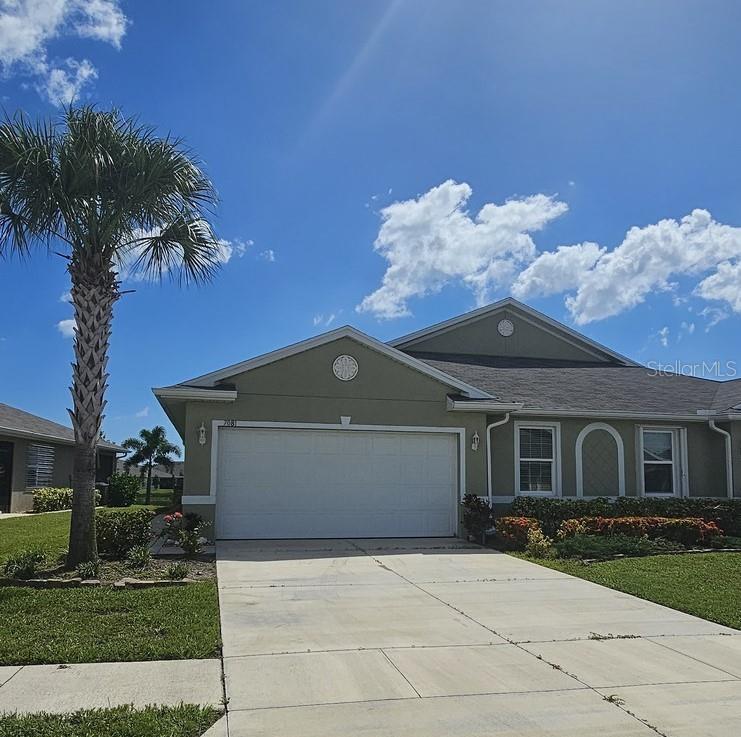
point(106, 194)
point(151, 448)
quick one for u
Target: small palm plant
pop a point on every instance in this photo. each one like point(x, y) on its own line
point(107, 194)
point(151, 448)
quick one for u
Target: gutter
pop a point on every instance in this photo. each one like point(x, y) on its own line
point(487, 446)
point(729, 458)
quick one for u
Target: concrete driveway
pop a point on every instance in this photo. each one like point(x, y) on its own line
point(436, 638)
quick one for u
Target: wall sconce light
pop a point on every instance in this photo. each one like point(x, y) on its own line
point(475, 441)
point(202, 434)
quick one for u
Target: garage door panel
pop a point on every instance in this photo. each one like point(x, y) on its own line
point(275, 483)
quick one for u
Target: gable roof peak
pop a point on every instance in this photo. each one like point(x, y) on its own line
point(406, 342)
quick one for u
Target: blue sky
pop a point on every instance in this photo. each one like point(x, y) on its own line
point(328, 127)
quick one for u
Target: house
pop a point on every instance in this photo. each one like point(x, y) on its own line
point(36, 452)
point(162, 476)
point(342, 435)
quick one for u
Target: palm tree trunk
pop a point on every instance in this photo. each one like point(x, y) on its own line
point(94, 292)
point(148, 499)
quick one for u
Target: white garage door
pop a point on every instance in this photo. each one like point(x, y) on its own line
point(330, 483)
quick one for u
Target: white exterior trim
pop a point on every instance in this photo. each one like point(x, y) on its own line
point(199, 499)
point(195, 393)
point(556, 328)
point(557, 486)
point(210, 380)
point(482, 405)
point(611, 415)
point(680, 460)
point(217, 424)
point(580, 458)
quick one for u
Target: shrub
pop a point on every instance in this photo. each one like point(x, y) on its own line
point(608, 546)
point(512, 531)
point(726, 513)
point(177, 570)
point(24, 564)
point(53, 499)
point(538, 545)
point(477, 516)
point(139, 557)
point(689, 531)
point(89, 569)
point(186, 530)
point(122, 490)
point(119, 532)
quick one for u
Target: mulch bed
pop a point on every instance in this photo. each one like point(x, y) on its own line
point(200, 568)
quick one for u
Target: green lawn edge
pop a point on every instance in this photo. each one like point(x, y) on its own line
point(185, 720)
point(707, 585)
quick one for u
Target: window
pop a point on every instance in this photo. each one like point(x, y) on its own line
point(537, 459)
point(39, 466)
point(660, 457)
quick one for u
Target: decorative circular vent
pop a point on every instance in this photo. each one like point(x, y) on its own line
point(345, 368)
point(505, 328)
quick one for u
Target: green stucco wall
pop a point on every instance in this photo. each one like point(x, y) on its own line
point(482, 338)
point(705, 452)
point(302, 388)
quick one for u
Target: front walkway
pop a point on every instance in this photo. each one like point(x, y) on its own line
point(433, 638)
point(66, 688)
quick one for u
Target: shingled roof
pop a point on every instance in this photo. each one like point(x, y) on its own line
point(15, 421)
point(554, 386)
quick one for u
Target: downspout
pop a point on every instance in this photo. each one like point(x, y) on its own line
point(488, 452)
point(729, 456)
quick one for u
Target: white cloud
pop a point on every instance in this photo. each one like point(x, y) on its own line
point(144, 412)
point(664, 336)
point(557, 271)
point(65, 297)
point(67, 328)
point(324, 320)
point(713, 315)
point(27, 27)
point(432, 241)
point(267, 255)
point(641, 265)
point(724, 285)
point(63, 84)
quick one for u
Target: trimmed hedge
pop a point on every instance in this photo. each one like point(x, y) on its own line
point(686, 531)
point(726, 513)
point(122, 490)
point(512, 531)
point(119, 532)
point(55, 499)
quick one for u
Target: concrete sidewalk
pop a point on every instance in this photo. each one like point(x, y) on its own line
point(433, 638)
point(66, 688)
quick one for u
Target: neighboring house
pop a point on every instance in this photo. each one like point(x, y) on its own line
point(162, 476)
point(36, 452)
point(344, 436)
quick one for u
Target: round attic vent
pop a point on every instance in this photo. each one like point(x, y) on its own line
point(345, 368)
point(505, 328)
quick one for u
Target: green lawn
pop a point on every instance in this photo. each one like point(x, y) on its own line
point(178, 721)
point(707, 585)
point(49, 530)
point(107, 624)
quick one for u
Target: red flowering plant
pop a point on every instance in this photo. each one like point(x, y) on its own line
point(186, 531)
point(512, 531)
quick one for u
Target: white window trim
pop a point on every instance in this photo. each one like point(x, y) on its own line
point(580, 455)
point(678, 462)
point(555, 427)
